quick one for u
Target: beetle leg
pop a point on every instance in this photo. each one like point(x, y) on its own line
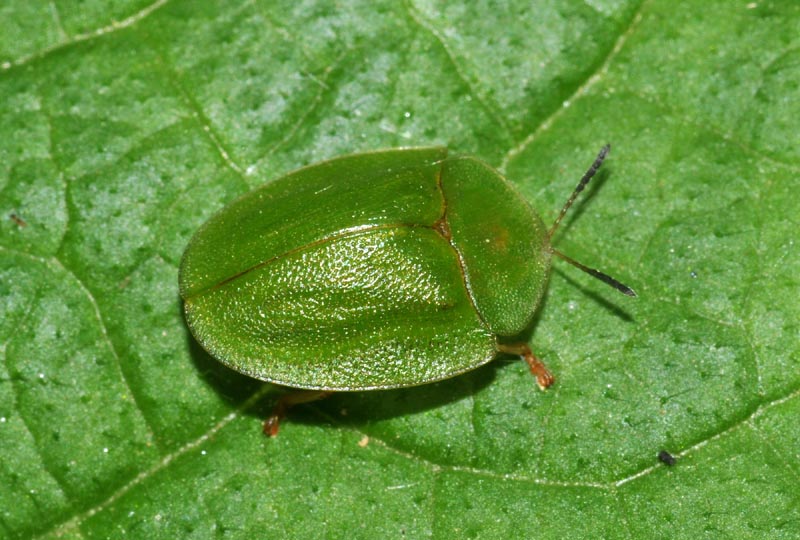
point(543, 377)
point(272, 423)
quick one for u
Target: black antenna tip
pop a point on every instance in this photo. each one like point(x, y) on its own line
point(624, 289)
point(605, 278)
point(608, 280)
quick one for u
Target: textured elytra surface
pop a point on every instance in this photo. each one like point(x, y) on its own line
point(384, 308)
point(124, 130)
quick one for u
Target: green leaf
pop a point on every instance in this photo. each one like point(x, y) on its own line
point(124, 127)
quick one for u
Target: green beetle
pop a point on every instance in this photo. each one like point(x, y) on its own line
point(371, 271)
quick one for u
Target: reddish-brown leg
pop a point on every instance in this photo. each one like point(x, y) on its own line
point(543, 377)
point(273, 423)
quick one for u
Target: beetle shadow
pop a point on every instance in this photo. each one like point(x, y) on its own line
point(358, 409)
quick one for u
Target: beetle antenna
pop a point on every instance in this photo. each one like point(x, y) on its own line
point(582, 184)
point(605, 278)
point(588, 175)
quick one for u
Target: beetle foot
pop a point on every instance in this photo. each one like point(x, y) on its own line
point(543, 376)
point(273, 423)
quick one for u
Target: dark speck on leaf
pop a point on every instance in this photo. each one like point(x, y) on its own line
point(666, 458)
point(18, 220)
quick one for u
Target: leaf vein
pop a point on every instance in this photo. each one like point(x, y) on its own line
point(109, 343)
point(582, 90)
point(86, 36)
point(74, 523)
point(495, 115)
